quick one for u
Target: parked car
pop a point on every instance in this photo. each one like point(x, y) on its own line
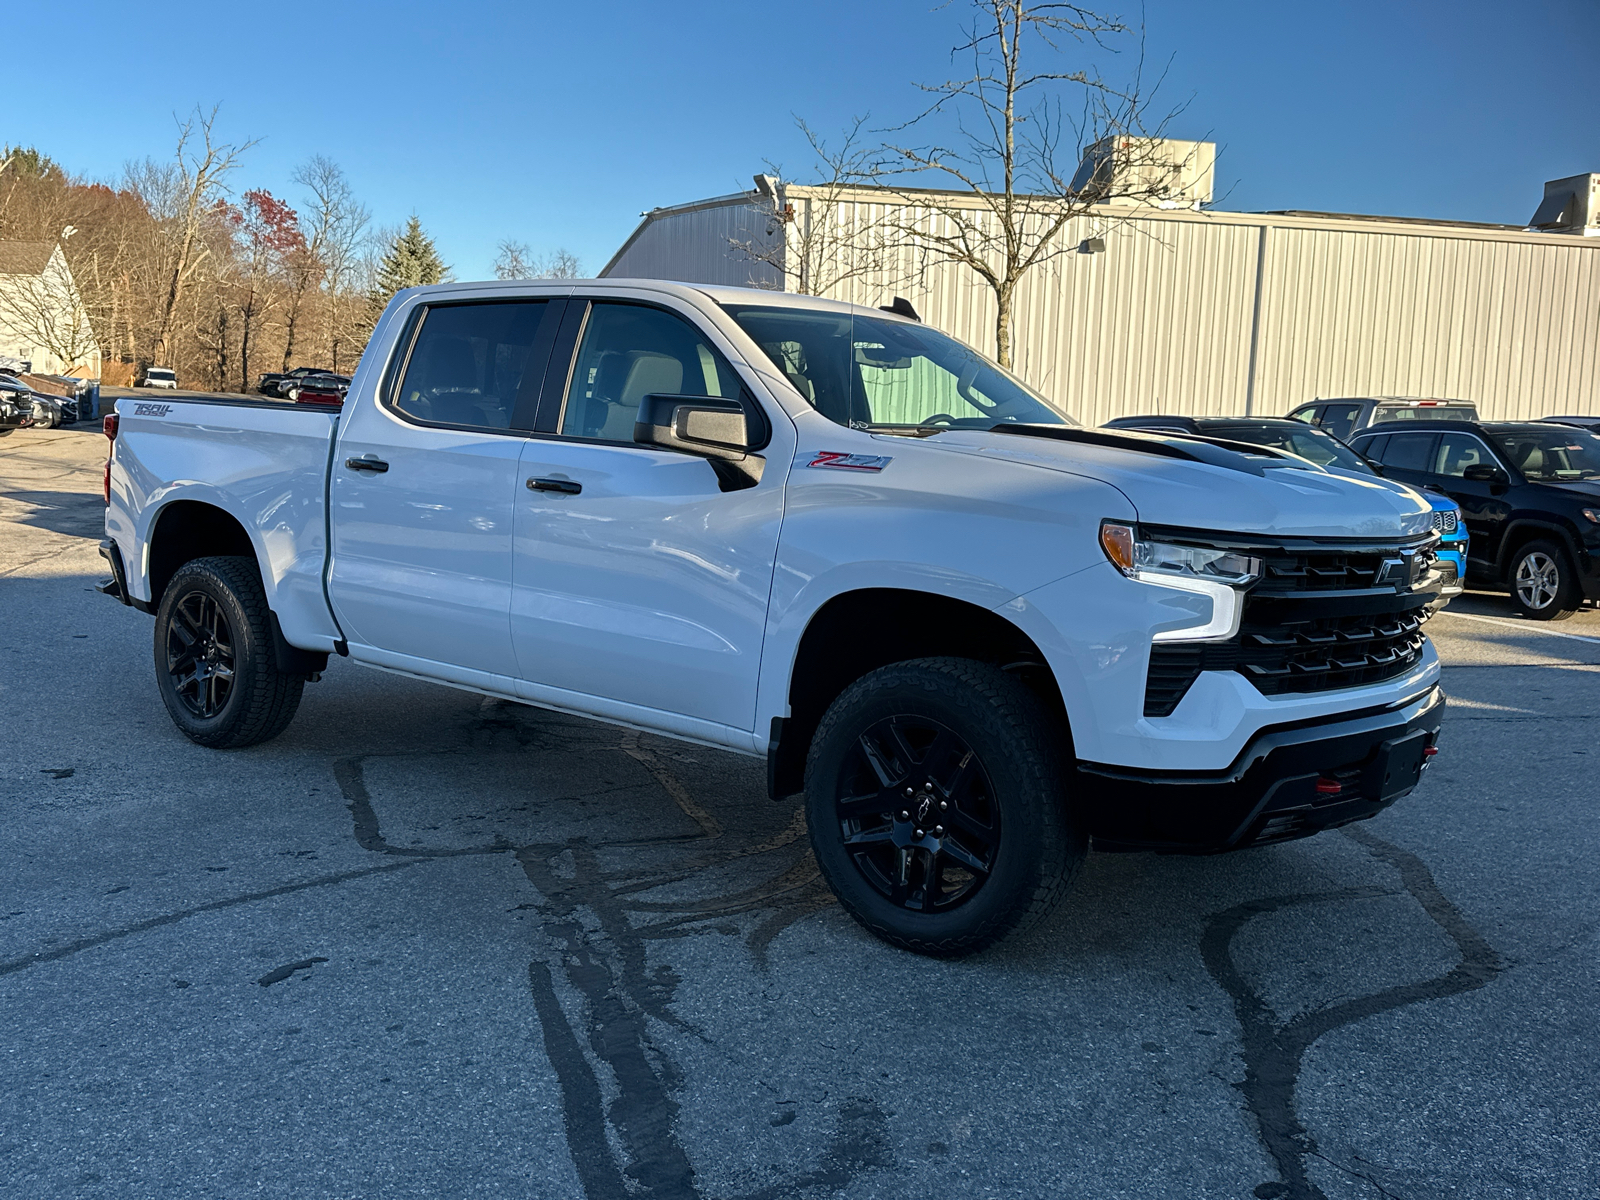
point(972, 632)
point(1327, 451)
point(1592, 424)
point(16, 410)
point(323, 384)
point(1530, 495)
point(48, 411)
point(277, 383)
point(158, 377)
point(1342, 417)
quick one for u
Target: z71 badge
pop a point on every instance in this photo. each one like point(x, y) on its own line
point(841, 461)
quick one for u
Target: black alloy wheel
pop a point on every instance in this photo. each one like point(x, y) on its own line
point(935, 800)
point(215, 658)
point(200, 654)
point(917, 814)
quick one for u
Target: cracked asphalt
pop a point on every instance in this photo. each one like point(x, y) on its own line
point(431, 945)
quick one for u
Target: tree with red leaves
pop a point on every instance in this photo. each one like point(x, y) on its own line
point(268, 240)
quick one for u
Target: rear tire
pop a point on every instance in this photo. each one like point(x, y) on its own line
point(1543, 585)
point(215, 664)
point(987, 849)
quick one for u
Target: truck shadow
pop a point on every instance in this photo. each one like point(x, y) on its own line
point(72, 513)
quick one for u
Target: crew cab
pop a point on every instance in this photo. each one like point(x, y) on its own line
point(975, 635)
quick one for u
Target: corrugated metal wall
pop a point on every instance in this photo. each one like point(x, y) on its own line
point(1220, 313)
point(699, 244)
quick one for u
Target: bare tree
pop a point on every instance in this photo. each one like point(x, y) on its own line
point(335, 225)
point(1011, 196)
point(815, 238)
point(192, 184)
point(516, 261)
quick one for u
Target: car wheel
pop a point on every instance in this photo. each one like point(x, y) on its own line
point(936, 805)
point(1542, 583)
point(215, 664)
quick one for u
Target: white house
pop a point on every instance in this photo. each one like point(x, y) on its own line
point(42, 314)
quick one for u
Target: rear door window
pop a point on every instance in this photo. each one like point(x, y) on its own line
point(477, 366)
point(1410, 451)
point(1339, 419)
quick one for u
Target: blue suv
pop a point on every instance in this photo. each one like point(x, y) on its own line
point(1327, 451)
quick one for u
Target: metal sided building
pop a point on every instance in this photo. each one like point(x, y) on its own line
point(1191, 311)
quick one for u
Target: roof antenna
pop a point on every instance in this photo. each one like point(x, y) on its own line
point(901, 308)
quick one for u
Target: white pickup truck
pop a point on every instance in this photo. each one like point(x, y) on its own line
point(974, 633)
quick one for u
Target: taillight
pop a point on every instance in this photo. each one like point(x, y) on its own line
point(110, 427)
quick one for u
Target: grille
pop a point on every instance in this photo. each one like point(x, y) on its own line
point(1445, 522)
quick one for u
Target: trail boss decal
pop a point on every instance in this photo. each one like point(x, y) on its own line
point(841, 461)
point(151, 410)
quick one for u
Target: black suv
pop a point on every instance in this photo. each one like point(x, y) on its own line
point(1529, 492)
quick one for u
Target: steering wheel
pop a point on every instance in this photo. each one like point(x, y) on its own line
point(937, 417)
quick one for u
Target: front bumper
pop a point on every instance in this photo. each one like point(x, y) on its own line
point(1290, 781)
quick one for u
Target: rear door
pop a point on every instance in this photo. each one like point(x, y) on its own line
point(1408, 457)
point(1339, 419)
point(424, 486)
point(638, 581)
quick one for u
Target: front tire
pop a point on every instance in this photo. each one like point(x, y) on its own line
point(935, 800)
point(1543, 586)
point(215, 665)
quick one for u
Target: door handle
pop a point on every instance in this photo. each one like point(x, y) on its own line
point(567, 487)
point(367, 462)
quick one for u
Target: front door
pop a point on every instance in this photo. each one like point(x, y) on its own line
point(425, 484)
point(1484, 505)
point(638, 580)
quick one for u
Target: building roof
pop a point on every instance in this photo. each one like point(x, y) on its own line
point(25, 258)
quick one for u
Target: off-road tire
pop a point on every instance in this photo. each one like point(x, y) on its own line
point(261, 700)
point(1038, 849)
point(1550, 563)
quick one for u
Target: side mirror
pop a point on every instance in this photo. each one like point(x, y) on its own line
point(1485, 473)
point(723, 432)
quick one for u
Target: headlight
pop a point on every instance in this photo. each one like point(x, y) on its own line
point(1220, 575)
point(1133, 555)
point(1592, 514)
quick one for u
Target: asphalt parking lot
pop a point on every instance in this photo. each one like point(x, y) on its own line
point(427, 944)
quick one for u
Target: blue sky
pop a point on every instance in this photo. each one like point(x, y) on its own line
point(556, 124)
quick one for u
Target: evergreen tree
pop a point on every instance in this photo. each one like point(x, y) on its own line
point(410, 261)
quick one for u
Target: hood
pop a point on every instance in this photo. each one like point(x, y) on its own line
point(1170, 481)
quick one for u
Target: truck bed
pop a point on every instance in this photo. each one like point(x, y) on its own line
point(263, 462)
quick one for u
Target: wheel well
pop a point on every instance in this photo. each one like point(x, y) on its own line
point(861, 631)
point(1521, 534)
point(189, 529)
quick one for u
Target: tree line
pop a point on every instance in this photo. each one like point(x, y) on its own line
point(175, 267)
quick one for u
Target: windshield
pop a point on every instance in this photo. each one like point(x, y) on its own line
point(1554, 456)
point(1437, 412)
point(869, 373)
point(1312, 444)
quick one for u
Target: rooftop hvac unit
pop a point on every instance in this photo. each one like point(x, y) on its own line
point(1570, 205)
point(1161, 172)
